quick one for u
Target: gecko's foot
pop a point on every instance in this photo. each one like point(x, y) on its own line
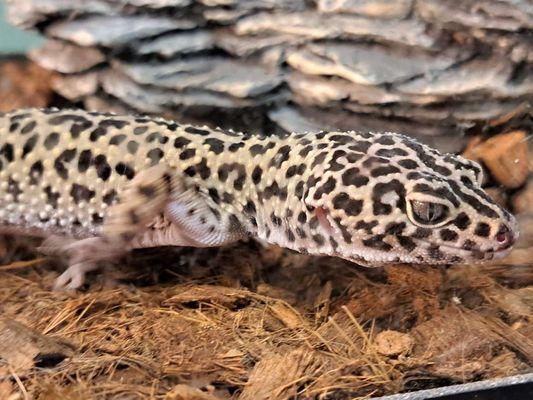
point(74, 277)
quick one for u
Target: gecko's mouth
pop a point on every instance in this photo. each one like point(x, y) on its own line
point(474, 255)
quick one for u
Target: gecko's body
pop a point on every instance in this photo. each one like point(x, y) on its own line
point(98, 184)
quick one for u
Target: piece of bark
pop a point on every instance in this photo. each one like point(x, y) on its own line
point(506, 156)
point(24, 348)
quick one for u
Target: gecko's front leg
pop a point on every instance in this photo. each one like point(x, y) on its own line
point(129, 224)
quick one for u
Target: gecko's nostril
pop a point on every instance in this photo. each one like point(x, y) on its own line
point(505, 237)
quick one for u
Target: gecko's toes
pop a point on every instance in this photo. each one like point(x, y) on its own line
point(74, 277)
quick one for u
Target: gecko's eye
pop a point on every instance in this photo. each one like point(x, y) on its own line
point(427, 214)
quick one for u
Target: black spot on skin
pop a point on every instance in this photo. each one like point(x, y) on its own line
point(275, 219)
point(132, 147)
point(360, 146)
point(197, 131)
point(406, 242)
point(301, 233)
point(103, 169)
point(139, 130)
point(7, 151)
point(30, 126)
point(81, 193)
point(59, 163)
point(110, 197)
point(482, 229)
point(413, 176)
point(61, 119)
point(342, 139)
point(462, 221)
point(395, 228)
point(302, 217)
point(227, 198)
point(408, 164)
point(119, 124)
point(156, 136)
point(97, 133)
point(466, 181)
point(318, 239)
point(280, 157)
point(448, 235)
point(372, 161)
point(334, 165)
point(125, 170)
point(215, 145)
point(290, 235)
point(117, 139)
point(36, 172)
point(299, 190)
point(13, 127)
point(213, 193)
point(333, 242)
point(350, 206)
point(51, 196)
point(345, 234)
point(97, 219)
point(435, 253)
point(385, 170)
point(29, 145)
point(51, 141)
point(313, 223)
point(235, 146)
point(321, 134)
point(275, 190)
point(295, 170)
point(366, 226)
point(376, 242)
point(389, 153)
point(380, 189)
point(305, 151)
point(351, 177)
point(84, 160)
point(13, 188)
point(202, 169)
point(469, 245)
point(190, 171)
point(422, 233)
point(319, 159)
point(385, 140)
point(148, 191)
point(187, 153)
point(155, 155)
point(78, 127)
point(249, 207)
point(256, 175)
point(326, 188)
point(180, 142)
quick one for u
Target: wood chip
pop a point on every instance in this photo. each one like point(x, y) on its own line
point(393, 343)
point(506, 157)
point(23, 348)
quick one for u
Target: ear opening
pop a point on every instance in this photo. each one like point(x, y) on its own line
point(321, 214)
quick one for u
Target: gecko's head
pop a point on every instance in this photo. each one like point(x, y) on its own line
point(384, 198)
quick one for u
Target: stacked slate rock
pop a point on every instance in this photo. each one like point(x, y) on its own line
point(430, 68)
